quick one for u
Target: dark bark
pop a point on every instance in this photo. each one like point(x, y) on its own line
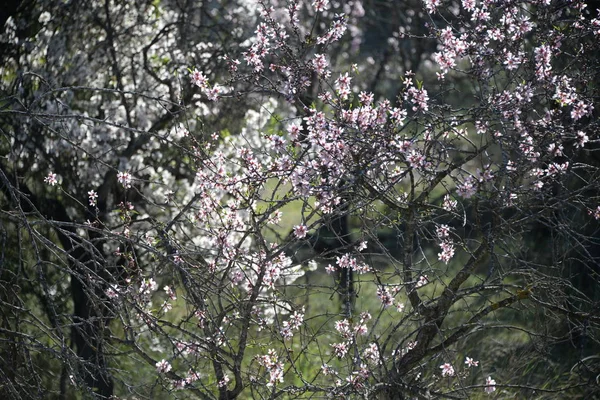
point(88, 315)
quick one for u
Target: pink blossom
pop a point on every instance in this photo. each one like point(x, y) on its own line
point(419, 98)
point(320, 5)
point(297, 319)
point(470, 362)
point(468, 188)
point(51, 179)
point(93, 197)
point(112, 292)
point(163, 366)
point(223, 382)
point(422, 281)
point(582, 139)
point(124, 178)
point(361, 329)
point(192, 376)
point(490, 385)
point(366, 98)
point(447, 369)
point(199, 79)
point(300, 231)
point(343, 86)
point(385, 296)
point(449, 204)
point(321, 65)
point(442, 231)
point(327, 370)
point(343, 327)
point(340, 349)
point(273, 366)
point(213, 93)
point(595, 213)
point(580, 110)
point(362, 245)
point(432, 5)
point(447, 251)
point(371, 353)
point(512, 61)
point(468, 5)
point(398, 115)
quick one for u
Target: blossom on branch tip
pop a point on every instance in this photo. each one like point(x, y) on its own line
point(124, 178)
point(223, 382)
point(327, 370)
point(447, 369)
point(447, 251)
point(490, 385)
point(163, 366)
point(362, 245)
point(582, 139)
point(340, 349)
point(320, 64)
point(442, 231)
point(470, 362)
point(199, 79)
point(51, 179)
point(320, 5)
point(423, 280)
point(300, 231)
point(93, 197)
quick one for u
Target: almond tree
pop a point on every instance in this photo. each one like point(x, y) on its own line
point(206, 267)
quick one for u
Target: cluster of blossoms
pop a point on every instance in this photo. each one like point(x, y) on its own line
point(223, 382)
point(490, 385)
point(163, 366)
point(93, 198)
point(418, 97)
point(200, 80)
point(342, 85)
point(274, 269)
point(467, 188)
point(595, 213)
point(112, 292)
point(404, 350)
point(371, 354)
point(294, 323)
point(349, 333)
point(273, 366)
point(320, 5)
point(448, 371)
point(447, 245)
point(449, 204)
point(172, 296)
point(387, 299)
point(124, 178)
point(147, 288)
point(336, 30)
point(422, 281)
point(452, 49)
point(321, 66)
point(324, 152)
point(192, 376)
point(357, 378)
point(349, 262)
